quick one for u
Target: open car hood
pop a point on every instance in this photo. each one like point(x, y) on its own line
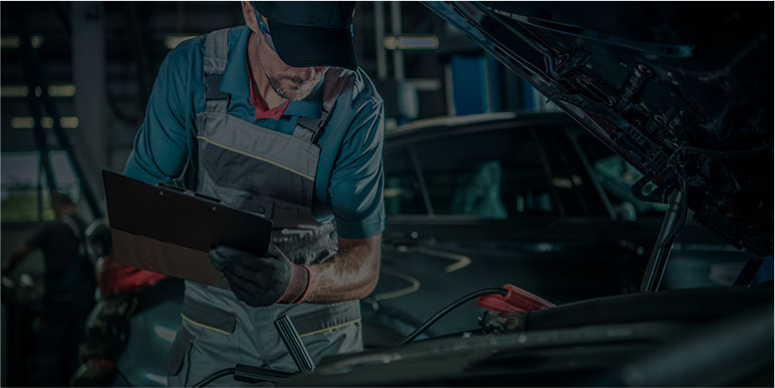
point(683, 91)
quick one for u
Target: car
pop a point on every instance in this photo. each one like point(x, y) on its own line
point(524, 198)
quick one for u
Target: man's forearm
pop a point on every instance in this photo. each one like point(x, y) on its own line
point(351, 274)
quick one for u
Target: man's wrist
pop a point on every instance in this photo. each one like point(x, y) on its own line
point(297, 286)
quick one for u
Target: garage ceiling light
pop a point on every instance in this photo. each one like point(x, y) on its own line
point(22, 122)
point(172, 41)
point(27, 122)
point(23, 91)
point(61, 90)
point(36, 41)
point(9, 42)
point(563, 183)
point(69, 122)
point(411, 42)
point(13, 41)
point(14, 91)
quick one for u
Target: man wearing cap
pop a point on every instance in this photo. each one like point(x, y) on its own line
point(275, 118)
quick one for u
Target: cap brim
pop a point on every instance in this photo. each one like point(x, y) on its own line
point(301, 46)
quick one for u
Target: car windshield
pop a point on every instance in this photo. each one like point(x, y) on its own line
point(512, 172)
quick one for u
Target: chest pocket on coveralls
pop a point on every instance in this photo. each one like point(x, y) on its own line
point(265, 169)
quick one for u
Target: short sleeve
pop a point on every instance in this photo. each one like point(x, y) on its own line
point(160, 149)
point(357, 180)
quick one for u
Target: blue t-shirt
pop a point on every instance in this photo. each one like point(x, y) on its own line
point(350, 176)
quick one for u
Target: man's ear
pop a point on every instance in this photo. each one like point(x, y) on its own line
point(250, 15)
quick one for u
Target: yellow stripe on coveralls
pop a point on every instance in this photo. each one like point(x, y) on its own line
point(193, 322)
point(330, 328)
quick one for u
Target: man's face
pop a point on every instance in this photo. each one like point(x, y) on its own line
point(293, 83)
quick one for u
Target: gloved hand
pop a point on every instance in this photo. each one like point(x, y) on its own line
point(261, 281)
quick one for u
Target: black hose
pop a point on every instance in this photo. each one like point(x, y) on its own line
point(446, 310)
point(679, 223)
point(215, 376)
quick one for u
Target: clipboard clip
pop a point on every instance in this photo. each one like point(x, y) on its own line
point(182, 190)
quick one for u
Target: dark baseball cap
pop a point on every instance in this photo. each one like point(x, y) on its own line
point(311, 33)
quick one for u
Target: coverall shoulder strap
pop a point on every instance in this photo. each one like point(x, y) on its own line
point(216, 52)
point(215, 60)
point(335, 83)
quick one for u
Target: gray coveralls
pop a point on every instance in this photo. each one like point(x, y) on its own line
point(271, 173)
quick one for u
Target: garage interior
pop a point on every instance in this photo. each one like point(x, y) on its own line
point(640, 273)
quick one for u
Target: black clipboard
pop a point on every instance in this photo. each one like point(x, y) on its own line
point(170, 230)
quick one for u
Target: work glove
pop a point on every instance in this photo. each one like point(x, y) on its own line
point(261, 281)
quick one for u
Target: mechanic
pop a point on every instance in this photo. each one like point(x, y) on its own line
point(275, 118)
point(69, 284)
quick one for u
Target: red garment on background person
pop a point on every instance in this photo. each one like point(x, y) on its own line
point(114, 278)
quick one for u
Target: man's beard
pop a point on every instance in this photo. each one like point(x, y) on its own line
point(293, 93)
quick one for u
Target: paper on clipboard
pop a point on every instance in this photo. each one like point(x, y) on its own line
point(170, 231)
